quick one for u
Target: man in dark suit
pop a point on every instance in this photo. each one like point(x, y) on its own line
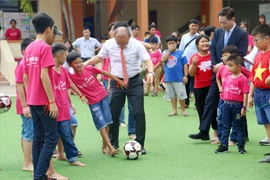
point(228, 34)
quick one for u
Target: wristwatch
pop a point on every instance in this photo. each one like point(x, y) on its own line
point(152, 73)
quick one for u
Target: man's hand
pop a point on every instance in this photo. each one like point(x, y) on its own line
point(27, 112)
point(53, 110)
point(216, 67)
point(185, 79)
point(73, 108)
point(150, 78)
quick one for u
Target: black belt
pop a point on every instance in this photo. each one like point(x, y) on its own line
point(137, 75)
point(232, 102)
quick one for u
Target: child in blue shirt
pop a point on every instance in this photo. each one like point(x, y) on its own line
point(176, 72)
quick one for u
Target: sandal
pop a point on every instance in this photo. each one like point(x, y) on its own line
point(185, 114)
point(79, 153)
point(104, 151)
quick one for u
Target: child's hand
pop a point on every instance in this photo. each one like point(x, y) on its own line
point(185, 79)
point(267, 81)
point(194, 60)
point(150, 78)
point(220, 89)
point(73, 108)
point(53, 110)
point(84, 99)
point(250, 101)
point(27, 112)
point(243, 112)
point(109, 88)
point(122, 84)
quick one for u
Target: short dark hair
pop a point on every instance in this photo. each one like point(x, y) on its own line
point(153, 40)
point(26, 42)
point(86, 28)
point(135, 27)
point(172, 38)
point(238, 60)
point(177, 33)
point(243, 23)
point(110, 26)
point(41, 22)
point(194, 21)
point(146, 33)
point(120, 24)
point(208, 30)
point(130, 21)
point(57, 46)
point(230, 49)
point(262, 29)
point(72, 56)
point(228, 12)
point(198, 38)
point(151, 26)
point(13, 20)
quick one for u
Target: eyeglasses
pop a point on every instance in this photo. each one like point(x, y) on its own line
point(256, 40)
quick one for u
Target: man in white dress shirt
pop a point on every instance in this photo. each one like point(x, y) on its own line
point(187, 45)
point(134, 54)
point(86, 45)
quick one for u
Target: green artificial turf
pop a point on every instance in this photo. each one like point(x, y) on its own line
point(170, 153)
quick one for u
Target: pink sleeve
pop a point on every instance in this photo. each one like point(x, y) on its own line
point(67, 77)
point(46, 57)
point(245, 87)
point(19, 74)
point(7, 33)
point(218, 76)
point(96, 70)
point(250, 40)
point(245, 72)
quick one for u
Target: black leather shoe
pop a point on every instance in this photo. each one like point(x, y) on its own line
point(200, 135)
point(267, 154)
point(143, 151)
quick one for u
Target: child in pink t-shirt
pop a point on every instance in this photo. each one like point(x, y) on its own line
point(27, 122)
point(155, 55)
point(62, 94)
point(85, 79)
point(40, 95)
point(235, 92)
point(13, 33)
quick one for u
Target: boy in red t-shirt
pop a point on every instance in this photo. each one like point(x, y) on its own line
point(63, 100)
point(235, 89)
point(13, 33)
point(27, 121)
point(85, 79)
point(40, 95)
point(259, 77)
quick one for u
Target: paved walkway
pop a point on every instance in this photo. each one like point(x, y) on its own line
point(8, 90)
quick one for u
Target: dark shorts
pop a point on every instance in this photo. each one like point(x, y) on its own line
point(262, 105)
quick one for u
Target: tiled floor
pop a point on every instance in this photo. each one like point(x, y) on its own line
point(8, 90)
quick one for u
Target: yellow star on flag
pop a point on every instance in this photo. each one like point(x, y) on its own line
point(259, 72)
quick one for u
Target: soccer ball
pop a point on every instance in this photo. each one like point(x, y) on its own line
point(5, 103)
point(132, 149)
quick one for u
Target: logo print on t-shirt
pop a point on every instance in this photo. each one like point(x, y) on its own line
point(205, 65)
point(172, 61)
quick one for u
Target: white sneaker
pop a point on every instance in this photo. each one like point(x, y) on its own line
point(264, 142)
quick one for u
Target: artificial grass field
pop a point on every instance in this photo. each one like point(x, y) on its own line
point(170, 153)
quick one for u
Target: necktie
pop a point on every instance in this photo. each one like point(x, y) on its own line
point(123, 60)
point(226, 38)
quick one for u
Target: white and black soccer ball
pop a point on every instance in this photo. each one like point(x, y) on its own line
point(132, 149)
point(5, 103)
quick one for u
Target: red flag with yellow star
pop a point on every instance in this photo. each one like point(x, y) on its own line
point(260, 70)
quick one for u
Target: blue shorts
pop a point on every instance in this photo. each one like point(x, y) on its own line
point(262, 105)
point(73, 119)
point(27, 129)
point(101, 113)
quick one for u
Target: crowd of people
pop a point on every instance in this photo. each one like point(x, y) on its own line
point(206, 61)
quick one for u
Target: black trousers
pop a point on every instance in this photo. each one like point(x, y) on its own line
point(134, 92)
point(210, 108)
point(187, 101)
point(200, 96)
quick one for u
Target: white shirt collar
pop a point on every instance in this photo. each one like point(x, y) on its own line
point(86, 39)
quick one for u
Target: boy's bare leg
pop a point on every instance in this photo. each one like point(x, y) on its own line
point(174, 107)
point(74, 128)
point(60, 151)
point(53, 174)
point(215, 135)
point(183, 107)
point(267, 129)
point(27, 152)
point(105, 137)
